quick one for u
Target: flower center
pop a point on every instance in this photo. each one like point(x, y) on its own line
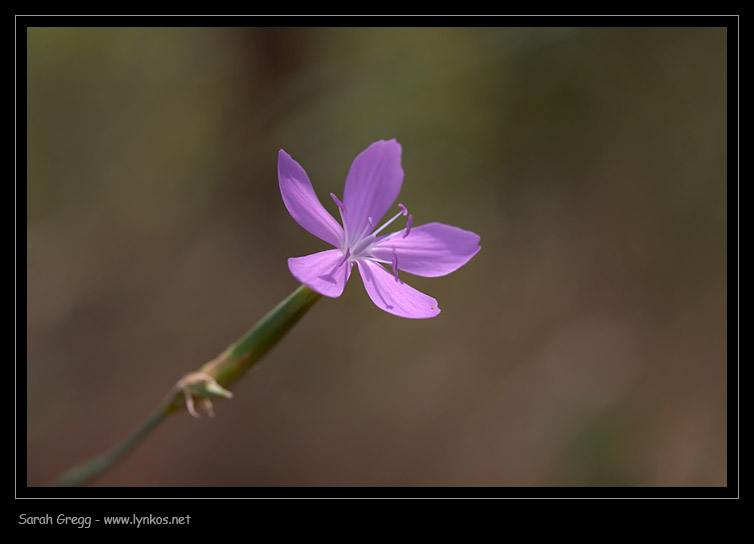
point(357, 245)
point(361, 246)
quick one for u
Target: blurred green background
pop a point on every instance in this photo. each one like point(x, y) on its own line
point(584, 345)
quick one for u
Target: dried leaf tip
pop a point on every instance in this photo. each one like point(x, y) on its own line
point(203, 386)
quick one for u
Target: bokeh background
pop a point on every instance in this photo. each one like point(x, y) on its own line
point(584, 345)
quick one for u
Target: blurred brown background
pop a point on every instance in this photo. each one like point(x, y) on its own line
point(584, 345)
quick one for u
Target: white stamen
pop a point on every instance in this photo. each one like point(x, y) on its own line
point(396, 216)
point(365, 241)
point(342, 210)
point(363, 244)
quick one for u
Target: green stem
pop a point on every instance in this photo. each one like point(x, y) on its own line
point(225, 369)
point(86, 471)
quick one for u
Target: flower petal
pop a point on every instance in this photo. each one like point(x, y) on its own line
point(430, 250)
point(302, 202)
point(325, 272)
point(372, 185)
point(392, 295)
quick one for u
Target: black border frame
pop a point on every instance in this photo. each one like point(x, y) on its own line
point(120, 501)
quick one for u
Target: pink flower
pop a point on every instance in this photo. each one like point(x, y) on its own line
point(372, 186)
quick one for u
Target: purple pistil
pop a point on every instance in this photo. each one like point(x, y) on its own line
point(346, 256)
point(408, 224)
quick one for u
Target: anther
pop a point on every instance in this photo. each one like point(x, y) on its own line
point(403, 212)
point(408, 224)
point(395, 264)
point(338, 203)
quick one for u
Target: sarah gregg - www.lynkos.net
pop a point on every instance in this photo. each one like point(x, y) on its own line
point(85, 522)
